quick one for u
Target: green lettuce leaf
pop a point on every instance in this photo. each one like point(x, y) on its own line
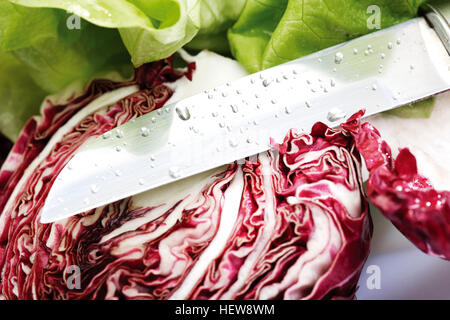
point(55, 55)
point(17, 102)
point(422, 109)
point(271, 32)
point(151, 29)
point(215, 18)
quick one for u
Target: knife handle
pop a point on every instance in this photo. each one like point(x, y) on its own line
point(437, 13)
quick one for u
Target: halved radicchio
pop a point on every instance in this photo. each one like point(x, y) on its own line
point(293, 224)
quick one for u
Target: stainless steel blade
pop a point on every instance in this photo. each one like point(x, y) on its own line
point(381, 71)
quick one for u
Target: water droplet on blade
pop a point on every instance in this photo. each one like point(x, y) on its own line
point(184, 114)
point(339, 57)
point(174, 172)
point(266, 83)
point(233, 142)
point(335, 115)
point(94, 188)
point(145, 131)
point(119, 133)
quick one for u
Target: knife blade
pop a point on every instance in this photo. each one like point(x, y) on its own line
point(381, 71)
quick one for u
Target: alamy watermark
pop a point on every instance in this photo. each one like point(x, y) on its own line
point(374, 20)
point(373, 281)
point(73, 280)
point(73, 22)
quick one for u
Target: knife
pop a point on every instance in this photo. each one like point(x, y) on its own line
point(381, 71)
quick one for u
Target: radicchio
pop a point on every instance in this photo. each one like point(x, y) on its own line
point(292, 224)
point(404, 196)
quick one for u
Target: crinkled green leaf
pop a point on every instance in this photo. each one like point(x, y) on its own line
point(213, 42)
point(53, 54)
point(151, 29)
point(17, 102)
point(215, 18)
point(252, 32)
point(270, 32)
